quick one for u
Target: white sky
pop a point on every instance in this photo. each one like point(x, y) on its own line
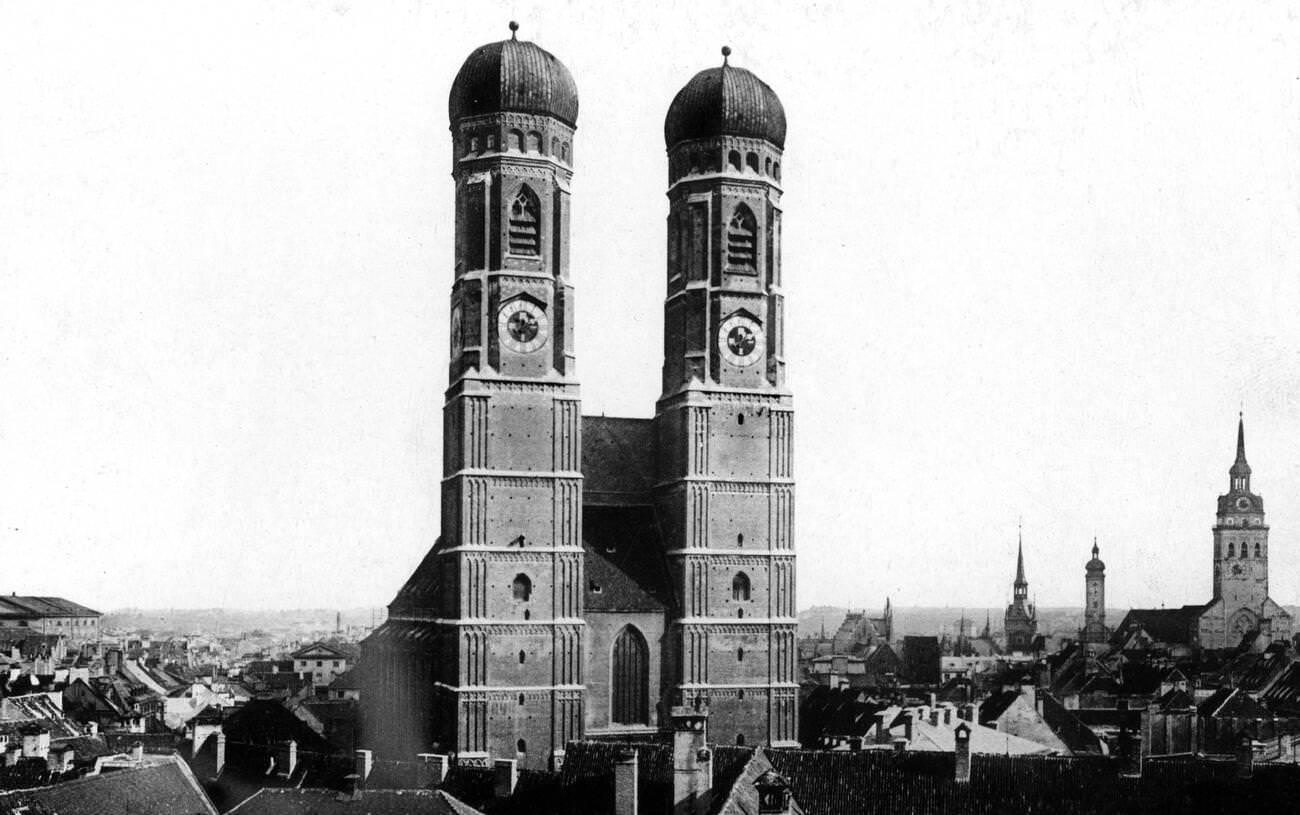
point(1036, 259)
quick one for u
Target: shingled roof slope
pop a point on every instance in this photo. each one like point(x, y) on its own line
point(371, 802)
point(164, 788)
point(625, 566)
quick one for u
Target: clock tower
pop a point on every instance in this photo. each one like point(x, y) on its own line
point(1240, 537)
point(483, 650)
point(725, 493)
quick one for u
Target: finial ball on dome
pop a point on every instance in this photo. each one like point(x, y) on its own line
point(513, 28)
point(726, 51)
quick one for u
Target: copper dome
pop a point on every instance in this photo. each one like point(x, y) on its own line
point(517, 77)
point(725, 101)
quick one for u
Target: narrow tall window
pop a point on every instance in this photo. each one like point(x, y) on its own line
point(733, 158)
point(742, 240)
point(522, 587)
point(525, 229)
point(631, 677)
point(740, 586)
point(1257, 550)
point(1231, 551)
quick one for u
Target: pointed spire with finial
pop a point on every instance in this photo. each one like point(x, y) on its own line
point(514, 30)
point(1020, 556)
point(1240, 471)
point(1095, 550)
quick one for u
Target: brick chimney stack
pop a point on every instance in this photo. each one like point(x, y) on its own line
point(505, 775)
point(962, 737)
point(692, 762)
point(625, 783)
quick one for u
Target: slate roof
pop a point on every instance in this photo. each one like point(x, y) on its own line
point(422, 590)
point(165, 788)
point(1231, 703)
point(1175, 626)
point(331, 802)
point(1069, 728)
point(993, 707)
point(16, 606)
point(624, 559)
point(617, 460)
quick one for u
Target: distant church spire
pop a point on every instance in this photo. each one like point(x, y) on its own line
point(1240, 471)
point(1020, 559)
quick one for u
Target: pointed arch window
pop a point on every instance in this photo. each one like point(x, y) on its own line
point(631, 678)
point(522, 588)
point(742, 240)
point(525, 224)
point(740, 586)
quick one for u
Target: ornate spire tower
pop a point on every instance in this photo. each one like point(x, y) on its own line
point(1241, 537)
point(726, 490)
point(485, 642)
point(1021, 622)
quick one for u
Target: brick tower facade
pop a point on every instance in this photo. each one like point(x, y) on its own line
point(724, 424)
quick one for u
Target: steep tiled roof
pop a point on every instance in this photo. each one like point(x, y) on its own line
point(1174, 626)
point(165, 788)
point(624, 563)
point(617, 460)
point(16, 606)
point(1283, 696)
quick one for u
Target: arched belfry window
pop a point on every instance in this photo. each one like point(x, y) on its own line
point(525, 223)
point(733, 159)
point(522, 588)
point(1257, 550)
point(1231, 550)
point(742, 240)
point(631, 678)
point(740, 586)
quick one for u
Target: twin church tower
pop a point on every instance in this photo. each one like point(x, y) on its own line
point(592, 573)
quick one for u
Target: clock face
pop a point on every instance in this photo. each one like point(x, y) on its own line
point(523, 326)
point(1243, 504)
point(740, 339)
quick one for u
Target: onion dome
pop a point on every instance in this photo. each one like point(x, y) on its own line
point(516, 77)
point(1095, 565)
point(725, 101)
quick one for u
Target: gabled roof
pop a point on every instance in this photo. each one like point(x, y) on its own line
point(1173, 626)
point(319, 650)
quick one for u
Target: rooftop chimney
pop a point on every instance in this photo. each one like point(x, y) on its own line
point(505, 774)
point(1246, 756)
point(882, 727)
point(962, 737)
point(625, 781)
point(907, 725)
point(434, 768)
point(692, 762)
point(13, 754)
point(137, 752)
point(362, 763)
point(288, 758)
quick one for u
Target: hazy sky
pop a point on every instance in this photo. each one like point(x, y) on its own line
point(1037, 257)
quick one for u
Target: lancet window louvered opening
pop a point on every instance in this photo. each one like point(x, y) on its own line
point(631, 697)
point(525, 224)
point(740, 587)
point(742, 240)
